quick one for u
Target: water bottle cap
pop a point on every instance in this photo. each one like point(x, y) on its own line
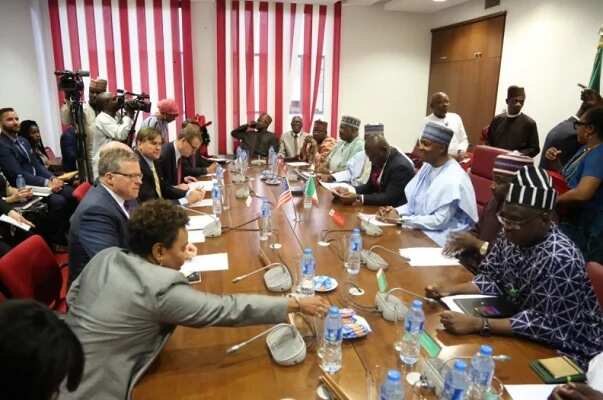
point(393, 375)
point(356, 230)
point(485, 350)
point(460, 365)
point(308, 251)
point(417, 304)
point(334, 311)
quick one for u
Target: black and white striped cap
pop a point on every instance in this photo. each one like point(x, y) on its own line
point(532, 187)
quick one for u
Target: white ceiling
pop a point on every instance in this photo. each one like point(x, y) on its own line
point(420, 6)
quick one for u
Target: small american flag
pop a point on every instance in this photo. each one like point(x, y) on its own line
point(285, 195)
point(282, 166)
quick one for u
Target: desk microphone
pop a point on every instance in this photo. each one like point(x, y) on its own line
point(213, 229)
point(370, 228)
point(374, 261)
point(392, 308)
point(285, 343)
point(278, 278)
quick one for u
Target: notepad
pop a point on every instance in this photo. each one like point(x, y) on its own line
point(199, 222)
point(202, 185)
point(560, 367)
point(196, 237)
point(14, 222)
point(206, 262)
point(428, 257)
point(41, 191)
point(202, 203)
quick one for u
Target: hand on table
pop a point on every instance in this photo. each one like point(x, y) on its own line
point(436, 291)
point(19, 218)
point(195, 195)
point(20, 195)
point(460, 241)
point(313, 305)
point(325, 177)
point(56, 185)
point(575, 391)
point(460, 324)
point(189, 179)
point(388, 214)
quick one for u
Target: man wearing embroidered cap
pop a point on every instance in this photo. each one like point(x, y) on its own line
point(440, 197)
point(471, 247)
point(349, 143)
point(167, 111)
point(513, 130)
point(538, 269)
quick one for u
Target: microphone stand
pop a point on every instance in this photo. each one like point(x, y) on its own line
point(237, 347)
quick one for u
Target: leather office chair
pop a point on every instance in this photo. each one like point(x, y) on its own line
point(481, 173)
point(81, 191)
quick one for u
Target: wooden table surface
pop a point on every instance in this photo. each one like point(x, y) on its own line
point(194, 364)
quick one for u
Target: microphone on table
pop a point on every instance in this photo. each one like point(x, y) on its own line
point(374, 261)
point(370, 228)
point(285, 343)
point(213, 229)
point(278, 277)
point(392, 308)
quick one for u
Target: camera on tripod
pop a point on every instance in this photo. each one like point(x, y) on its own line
point(133, 101)
point(71, 82)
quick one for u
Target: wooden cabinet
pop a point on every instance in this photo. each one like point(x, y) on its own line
point(465, 64)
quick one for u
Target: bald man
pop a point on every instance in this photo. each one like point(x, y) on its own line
point(255, 136)
point(292, 141)
point(439, 104)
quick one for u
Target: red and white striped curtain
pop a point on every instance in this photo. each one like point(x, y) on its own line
point(277, 58)
point(137, 45)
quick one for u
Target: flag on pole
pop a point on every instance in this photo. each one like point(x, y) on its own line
point(595, 77)
point(282, 166)
point(311, 190)
point(285, 195)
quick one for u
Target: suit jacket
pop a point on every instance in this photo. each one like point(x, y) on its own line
point(97, 223)
point(14, 162)
point(168, 168)
point(257, 143)
point(127, 308)
point(147, 189)
point(397, 172)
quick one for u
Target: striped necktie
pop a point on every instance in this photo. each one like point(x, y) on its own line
point(157, 182)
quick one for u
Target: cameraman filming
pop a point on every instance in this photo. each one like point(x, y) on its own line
point(167, 112)
point(108, 127)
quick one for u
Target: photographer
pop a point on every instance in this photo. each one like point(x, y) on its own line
point(167, 112)
point(108, 128)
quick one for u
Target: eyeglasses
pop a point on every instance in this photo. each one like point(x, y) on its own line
point(513, 224)
point(130, 176)
point(580, 123)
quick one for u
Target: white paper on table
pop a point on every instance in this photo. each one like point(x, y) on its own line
point(530, 392)
point(12, 221)
point(199, 222)
point(451, 304)
point(202, 203)
point(331, 186)
point(206, 262)
point(41, 191)
point(372, 218)
point(203, 185)
point(297, 164)
point(219, 159)
point(428, 257)
point(196, 237)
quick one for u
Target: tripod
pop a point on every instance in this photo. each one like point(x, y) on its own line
point(77, 119)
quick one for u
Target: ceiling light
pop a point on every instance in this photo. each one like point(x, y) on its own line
point(439, 1)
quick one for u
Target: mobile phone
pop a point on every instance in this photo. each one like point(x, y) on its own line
point(194, 277)
point(488, 311)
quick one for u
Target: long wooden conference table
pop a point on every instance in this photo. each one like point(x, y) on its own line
point(194, 363)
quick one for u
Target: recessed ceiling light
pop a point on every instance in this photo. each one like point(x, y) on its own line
point(439, 1)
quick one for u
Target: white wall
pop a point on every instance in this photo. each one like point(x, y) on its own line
point(549, 46)
point(385, 70)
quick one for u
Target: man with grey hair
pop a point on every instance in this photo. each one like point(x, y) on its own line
point(100, 219)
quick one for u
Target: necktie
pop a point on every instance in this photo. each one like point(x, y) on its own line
point(157, 182)
point(24, 151)
point(295, 147)
point(179, 173)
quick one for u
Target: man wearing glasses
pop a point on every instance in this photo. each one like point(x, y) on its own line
point(100, 219)
point(173, 154)
point(539, 270)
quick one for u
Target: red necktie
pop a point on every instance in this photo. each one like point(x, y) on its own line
point(179, 174)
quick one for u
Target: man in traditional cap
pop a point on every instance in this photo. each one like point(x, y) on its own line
point(318, 146)
point(472, 247)
point(439, 104)
point(563, 137)
point(349, 143)
point(539, 270)
point(255, 136)
point(293, 140)
point(389, 174)
point(440, 197)
point(513, 130)
point(167, 111)
point(90, 110)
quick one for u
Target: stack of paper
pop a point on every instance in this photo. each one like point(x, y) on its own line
point(196, 237)
point(197, 222)
point(530, 392)
point(41, 191)
point(12, 221)
point(202, 185)
point(206, 262)
point(427, 257)
point(298, 164)
point(202, 203)
point(372, 218)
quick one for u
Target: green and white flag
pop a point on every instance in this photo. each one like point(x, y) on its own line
point(311, 190)
point(595, 76)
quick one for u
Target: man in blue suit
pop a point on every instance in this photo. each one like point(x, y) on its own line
point(100, 219)
point(17, 158)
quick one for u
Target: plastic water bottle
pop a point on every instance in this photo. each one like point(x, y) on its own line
point(271, 162)
point(481, 373)
point(265, 220)
point(222, 186)
point(216, 197)
point(354, 248)
point(307, 268)
point(20, 181)
point(244, 161)
point(307, 197)
point(455, 383)
point(410, 348)
point(331, 347)
point(392, 388)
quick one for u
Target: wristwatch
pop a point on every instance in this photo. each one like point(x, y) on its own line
point(485, 331)
point(483, 250)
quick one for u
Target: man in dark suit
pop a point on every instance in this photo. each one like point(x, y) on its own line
point(256, 138)
point(100, 219)
point(17, 158)
point(390, 172)
point(148, 149)
point(173, 155)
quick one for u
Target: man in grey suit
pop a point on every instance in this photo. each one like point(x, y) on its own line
point(100, 219)
point(126, 303)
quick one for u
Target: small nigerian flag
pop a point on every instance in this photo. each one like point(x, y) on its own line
point(311, 190)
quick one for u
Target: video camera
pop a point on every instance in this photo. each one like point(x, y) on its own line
point(133, 101)
point(71, 82)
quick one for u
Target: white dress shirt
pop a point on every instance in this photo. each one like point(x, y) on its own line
point(118, 199)
point(454, 122)
point(108, 130)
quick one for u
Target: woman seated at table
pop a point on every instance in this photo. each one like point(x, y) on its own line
point(583, 174)
point(126, 303)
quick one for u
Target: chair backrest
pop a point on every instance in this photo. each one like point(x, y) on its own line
point(30, 271)
point(595, 274)
point(81, 191)
point(481, 172)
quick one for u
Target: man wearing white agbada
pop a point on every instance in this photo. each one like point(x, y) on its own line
point(440, 197)
point(439, 105)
